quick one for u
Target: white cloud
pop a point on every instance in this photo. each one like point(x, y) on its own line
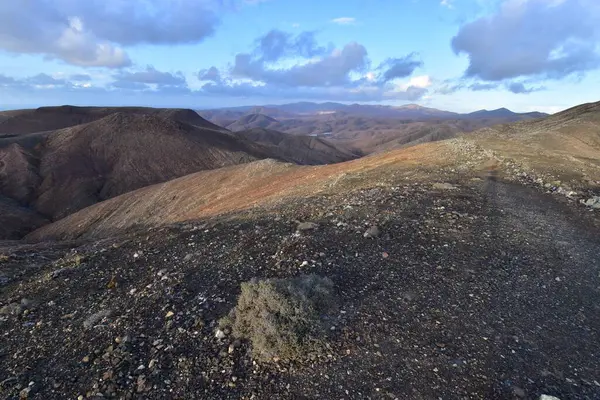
point(421, 82)
point(344, 20)
point(446, 3)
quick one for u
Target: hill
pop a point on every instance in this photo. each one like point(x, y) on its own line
point(365, 128)
point(413, 112)
point(16, 220)
point(250, 121)
point(56, 173)
point(299, 149)
point(503, 114)
point(52, 118)
point(442, 286)
point(60, 172)
point(562, 147)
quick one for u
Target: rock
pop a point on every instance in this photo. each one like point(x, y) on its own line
point(594, 202)
point(12, 309)
point(169, 314)
point(93, 319)
point(304, 264)
point(26, 303)
point(444, 186)
point(306, 226)
point(548, 397)
point(219, 334)
point(188, 257)
point(519, 392)
point(373, 231)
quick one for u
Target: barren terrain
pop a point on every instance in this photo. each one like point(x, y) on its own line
point(464, 268)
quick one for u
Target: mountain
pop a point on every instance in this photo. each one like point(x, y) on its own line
point(300, 149)
point(544, 148)
point(63, 171)
point(409, 111)
point(504, 114)
point(365, 128)
point(52, 118)
point(250, 121)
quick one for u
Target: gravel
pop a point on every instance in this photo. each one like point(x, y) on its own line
point(457, 298)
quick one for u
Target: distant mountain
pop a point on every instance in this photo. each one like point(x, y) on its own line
point(565, 145)
point(413, 112)
point(52, 118)
point(503, 113)
point(301, 149)
point(250, 121)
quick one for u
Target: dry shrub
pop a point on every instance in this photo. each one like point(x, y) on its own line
point(283, 318)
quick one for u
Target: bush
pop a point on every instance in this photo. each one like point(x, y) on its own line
point(283, 318)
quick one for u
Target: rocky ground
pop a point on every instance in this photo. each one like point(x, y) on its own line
point(464, 290)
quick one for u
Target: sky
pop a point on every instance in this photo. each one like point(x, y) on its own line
point(457, 55)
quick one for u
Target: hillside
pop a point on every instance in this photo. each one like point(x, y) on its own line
point(455, 267)
point(253, 121)
point(52, 118)
point(562, 147)
point(60, 172)
point(504, 114)
point(16, 220)
point(412, 112)
point(56, 173)
point(463, 288)
point(365, 128)
point(299, 149)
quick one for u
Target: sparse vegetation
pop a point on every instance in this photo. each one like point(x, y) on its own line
point(282, 318)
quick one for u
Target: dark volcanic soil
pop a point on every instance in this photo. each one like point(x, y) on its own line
point(485, 291)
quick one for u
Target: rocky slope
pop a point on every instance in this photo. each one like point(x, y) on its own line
point(466, 289)
point(560, 154)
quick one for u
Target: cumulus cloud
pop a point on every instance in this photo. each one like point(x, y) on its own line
point(295, 66)
point(344, 20)
point(520, 88)
point(330, 70)
point(210, 74)
point(44, 80)
point(151, 75)
point(399, 67)
point(40, 81)
point(6, 80)
point(532, 38)
point(420, 82)
point(93, 32)
point(278, 44)
point(339, 93)
point(80, 78)
point(480, 87)
point(129, 85)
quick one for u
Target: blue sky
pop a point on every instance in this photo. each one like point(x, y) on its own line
point(458, 55)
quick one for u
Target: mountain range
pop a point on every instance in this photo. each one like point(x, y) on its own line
point(130, 238)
